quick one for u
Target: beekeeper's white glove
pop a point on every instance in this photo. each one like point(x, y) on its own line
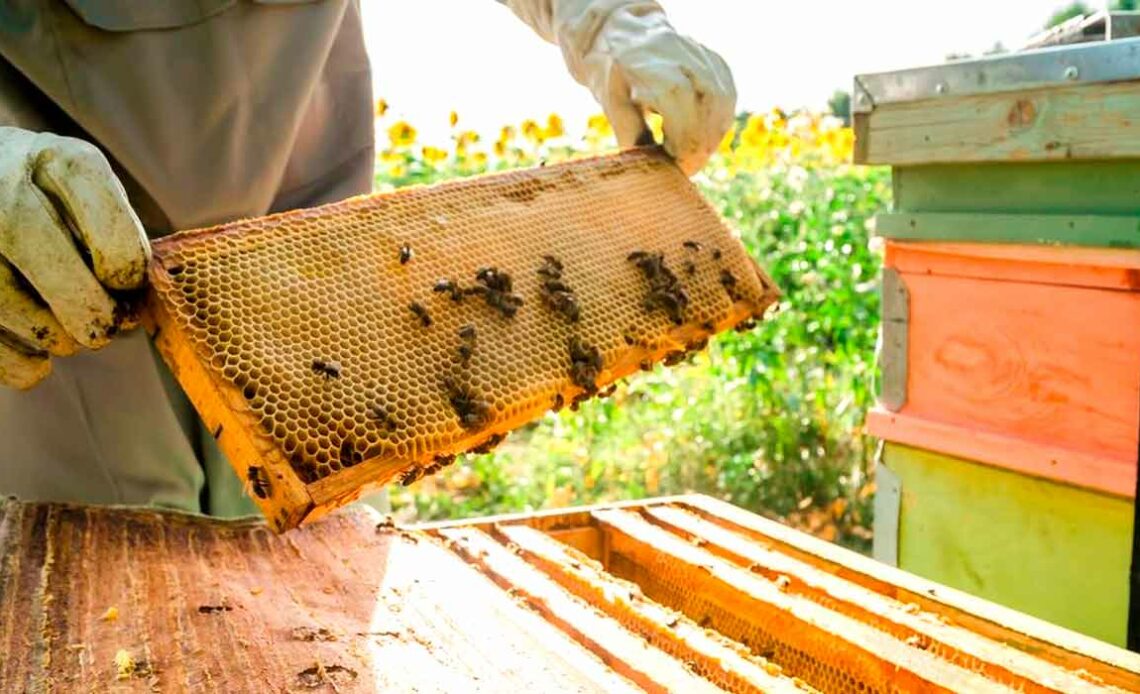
point(67, 234)
point(633, 61)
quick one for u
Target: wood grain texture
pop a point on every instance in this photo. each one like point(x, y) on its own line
point(1102, 187)
point(1079, 267)
point(347, 604)
point(1047, 549)
point(230, 607)
point(1096, 121)
point(1071, 230)
point(1039, 366)
point(1105, 663)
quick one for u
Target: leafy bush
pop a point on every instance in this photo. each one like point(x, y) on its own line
point(771, 419)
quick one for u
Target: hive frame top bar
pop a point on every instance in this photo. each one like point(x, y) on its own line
point(1108, 61)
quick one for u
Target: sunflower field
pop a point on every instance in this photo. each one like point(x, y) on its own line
point(770, 420)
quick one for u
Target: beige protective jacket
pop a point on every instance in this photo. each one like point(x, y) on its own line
point(209, 110)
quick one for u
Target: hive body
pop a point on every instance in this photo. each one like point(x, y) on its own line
point(335, 348)
point(683, 594)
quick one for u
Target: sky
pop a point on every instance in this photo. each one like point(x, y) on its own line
point(430, 57)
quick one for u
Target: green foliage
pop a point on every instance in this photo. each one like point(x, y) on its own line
point(770, 420)
point(840, 105)
point(1064, 14)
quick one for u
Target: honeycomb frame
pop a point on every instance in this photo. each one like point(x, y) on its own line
point(332, 350)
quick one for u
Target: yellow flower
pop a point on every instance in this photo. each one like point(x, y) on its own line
point(725, 146)
point(433, 155)
point(554, 127)
point(466, 138)
point(500, 149)
point(401, 134)
point(599, 126)
point(531, 131)
point(397, 171)
point(454, 118)
point(479, 159)
point(507, 134)
point(656, 124)
point(381, 108)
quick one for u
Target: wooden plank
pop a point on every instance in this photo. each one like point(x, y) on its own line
point(1095, 121)
point(1106, 187)
point(1074, 651)
point(1074, 230)
point(720, 660)
point(1048, 462)
point(829, 650)
point(1069, 266)
point(228, 606)
point(1049, 366)
point(628, 654)
point(892, 352)
point(906, 622)
point(1049, 550)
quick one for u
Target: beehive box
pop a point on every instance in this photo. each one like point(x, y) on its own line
point(1010, 354)
point(333, 350)
point(683, 594)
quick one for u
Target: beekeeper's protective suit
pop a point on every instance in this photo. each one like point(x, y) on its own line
point(121, 120)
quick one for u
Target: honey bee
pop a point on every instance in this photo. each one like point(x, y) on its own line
point(258, 481)
point(692, 245)
point(728, 281)
point(716, 254)
point(465, 352)
point(745, 326)
point(607, 391)
point(378, 414)
point(551, 266)
point(674, 358)
point(690, 268)
point(411, 475)
point(559, 402)
point(406, 254)
point(420, 312)
point(328, 369)
point(488, 445)
point(472, 412)
point(645, 365)
point(467, 332)
point(446, 286)
point(709, 326)
point(585, 364)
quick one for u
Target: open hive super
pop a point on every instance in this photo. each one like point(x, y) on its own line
point(683, 594)
point(331, 350)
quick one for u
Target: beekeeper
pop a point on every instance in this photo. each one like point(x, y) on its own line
point(125, 120)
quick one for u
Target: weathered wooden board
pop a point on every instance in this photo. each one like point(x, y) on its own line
point(1096, 121)
point(1074, 187)
point(1050, 550)
point(1106, 231)
point(1018, 359)
point(112, 599)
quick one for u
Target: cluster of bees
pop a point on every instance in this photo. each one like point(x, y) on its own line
point(664, 292)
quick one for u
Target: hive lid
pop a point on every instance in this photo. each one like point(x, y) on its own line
point(1109, 61)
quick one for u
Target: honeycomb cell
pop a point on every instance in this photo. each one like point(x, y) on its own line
point(304, 316)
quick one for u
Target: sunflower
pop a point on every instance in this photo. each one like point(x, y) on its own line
point(402, 134)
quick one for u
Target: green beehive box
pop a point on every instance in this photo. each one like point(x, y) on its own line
point(1010, 354)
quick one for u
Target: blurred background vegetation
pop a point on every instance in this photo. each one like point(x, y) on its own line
point(770, 420)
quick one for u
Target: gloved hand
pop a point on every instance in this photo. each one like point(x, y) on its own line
point(67, 235)
point(633, 61)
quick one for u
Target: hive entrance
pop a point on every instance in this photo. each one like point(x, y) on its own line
point(384, 334)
